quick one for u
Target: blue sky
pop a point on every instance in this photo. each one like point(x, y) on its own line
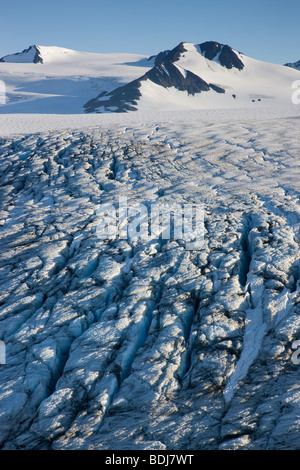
point(266, 29)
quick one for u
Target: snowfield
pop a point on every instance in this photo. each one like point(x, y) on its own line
point(57, 81)
point(128, 344)
point(64, 81)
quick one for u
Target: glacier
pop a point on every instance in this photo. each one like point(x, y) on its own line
point(134, 344)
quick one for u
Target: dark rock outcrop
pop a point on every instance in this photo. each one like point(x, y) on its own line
point(165, 73)
point(36, 59)
point(226, 56)
point(293, 65)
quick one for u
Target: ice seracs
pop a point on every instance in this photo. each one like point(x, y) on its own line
point(128, 344)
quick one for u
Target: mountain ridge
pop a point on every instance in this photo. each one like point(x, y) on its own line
point(196, 70)
point(31, 54)
point(208, 75)
point(293, 65)
point(167, 73)
point(37, 54)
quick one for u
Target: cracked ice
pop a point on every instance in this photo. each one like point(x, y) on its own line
point(132, 344)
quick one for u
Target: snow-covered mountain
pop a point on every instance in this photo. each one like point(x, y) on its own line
point(207, 75)
point(41, 55)
point(293, 65)
point(55, 80)
point(36, 54)
point(210, 75)
point(33, 54)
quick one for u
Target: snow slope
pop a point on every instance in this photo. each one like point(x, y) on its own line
point(55, 80)
point(62, 80)
point(195, 76)
point(30, 55)
point(19, 124)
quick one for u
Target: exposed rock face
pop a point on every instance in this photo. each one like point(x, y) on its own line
point(165, 73)
point(125, 344)
point(223, 53)
point(32, 52)
point(294, 65)
point(160, 57)
point(121, 100)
